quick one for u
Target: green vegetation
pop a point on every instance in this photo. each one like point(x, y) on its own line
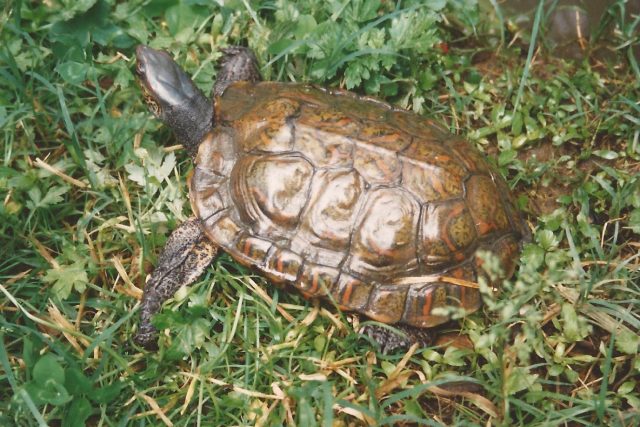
point(89, 194)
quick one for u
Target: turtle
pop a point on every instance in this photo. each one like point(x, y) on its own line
point(346, 198)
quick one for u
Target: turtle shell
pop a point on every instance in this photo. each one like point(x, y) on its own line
point(350, 199)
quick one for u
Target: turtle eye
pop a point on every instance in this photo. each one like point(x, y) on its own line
point(139, 68)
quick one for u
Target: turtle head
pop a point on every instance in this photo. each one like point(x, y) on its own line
point(172, 97)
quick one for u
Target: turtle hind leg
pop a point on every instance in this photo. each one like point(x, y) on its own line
point(187, 253)
point(237, 64)
point(391, 341)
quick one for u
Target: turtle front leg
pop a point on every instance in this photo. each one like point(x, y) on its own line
point(390, 341)
point(237, 64)
point(187, 253)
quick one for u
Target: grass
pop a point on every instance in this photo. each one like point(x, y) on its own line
point(90, 193)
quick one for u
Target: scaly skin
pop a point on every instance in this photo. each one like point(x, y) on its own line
point(186, 255)
point(390, 341)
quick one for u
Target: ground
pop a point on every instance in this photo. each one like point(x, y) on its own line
point(92, 185)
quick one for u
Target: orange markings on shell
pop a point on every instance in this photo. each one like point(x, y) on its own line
point(283, 266)
point(377, 165)
point(316, 280)
point(431, 173)
point(485, 205)
point(352, 293)
point(469, 156)
point(253, 249)
point(447, 233)
point(423, 299)
point(266, 127)
point(425, 130)
point(335, 151)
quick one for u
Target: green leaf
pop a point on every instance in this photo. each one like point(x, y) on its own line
point(506, 157)
point(53, 197)
point(437, 5)
point(387, 367)
point(414, 30)
point(107, 393)
point(78, 413)
point(454, 356)
point(75, 27)
point(136, 174)
point(413, 408)
point(279, 46)
point(516, 124)
point(634, 220)
point(190, 335)
point(77, 383)
point(48, 369)
point(519, 379)
point(354, 74)
point(305, 27)
point(155, 8)
point(547, 239)
point(573, 327)
point(71, 8)
point(533, 256)
point(68, 277)
point(183, 17)
point(319, 343)
point(606, 154)
point(50, 392)
point(72, 72)
point(48, 382)
point(164, 171)
point(627, 342)
point(627, 387)
point(633, 400)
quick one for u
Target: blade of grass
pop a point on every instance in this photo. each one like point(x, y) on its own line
point(601, 399)
point(532, 46)
point(74, 148)
point(498, 10)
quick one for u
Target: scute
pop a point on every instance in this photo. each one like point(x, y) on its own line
point(346, 197)
point(326, 225)
point(384, 242)
point(485, 205)
point(271, 191)
point(386, 304)
point(447, 233)
point(324, 148)
point(267, 126)
point(283, 266)
point(377, 165)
